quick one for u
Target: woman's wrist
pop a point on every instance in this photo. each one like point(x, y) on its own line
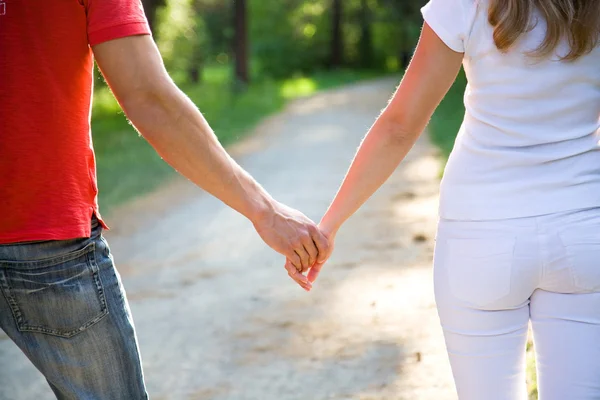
point(329, 226)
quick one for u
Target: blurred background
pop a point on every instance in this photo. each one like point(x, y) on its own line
point(242, 60)
point(290, 86)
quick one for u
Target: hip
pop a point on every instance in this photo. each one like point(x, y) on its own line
point(497, 264)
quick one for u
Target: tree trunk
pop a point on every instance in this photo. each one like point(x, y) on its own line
point(240, 45)
point(366, 36)
point(197, 57)
point(150, 9)
point(406, 49)
point(337, 43)
point(197, 65)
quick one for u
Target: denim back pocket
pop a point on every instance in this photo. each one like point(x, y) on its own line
point(61, 296)
point(480, 270)
point(582, 246)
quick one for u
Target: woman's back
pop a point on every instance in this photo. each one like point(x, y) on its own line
point(529, 141)
point(517, 241)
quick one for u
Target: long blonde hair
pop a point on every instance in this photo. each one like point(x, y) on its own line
point(576, 20)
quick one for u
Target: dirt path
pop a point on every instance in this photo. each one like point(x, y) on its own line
point(217, 316)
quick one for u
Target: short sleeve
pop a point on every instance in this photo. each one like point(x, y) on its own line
point(114, 19)
point(448, 19)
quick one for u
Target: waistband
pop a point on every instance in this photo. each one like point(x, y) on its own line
point(48, 249)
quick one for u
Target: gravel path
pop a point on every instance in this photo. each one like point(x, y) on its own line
point(219, 319)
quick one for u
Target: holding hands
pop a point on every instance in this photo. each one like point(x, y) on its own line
point(292, 234)
point(312, 272)
point(386, 144)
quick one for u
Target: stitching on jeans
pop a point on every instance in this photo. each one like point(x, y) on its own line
point(6, 289)
point(91, 263)
point(123, 306)
point(46, 262)
point(114, 272)
point(68, 334)
point(97, 279)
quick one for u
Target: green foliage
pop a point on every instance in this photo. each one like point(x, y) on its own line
point(294, 36)
point(179, 34)
point(290, 47)
point(127, 164)
point(288, 36)
point(448, 117)
point(217, 15)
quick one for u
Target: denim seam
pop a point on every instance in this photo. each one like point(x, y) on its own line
point(114, 274)
point(139, 357)
point(123, 307)
point(14, 307)
point(50, 260)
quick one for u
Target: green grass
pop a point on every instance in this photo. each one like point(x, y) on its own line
point(532, 389)
point(127, 164)
point(443, 128)
point(448, 117)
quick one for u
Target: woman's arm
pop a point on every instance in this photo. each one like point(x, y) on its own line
point(431, 73)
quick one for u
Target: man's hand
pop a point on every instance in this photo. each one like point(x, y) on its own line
point(294, 235)
point(314, 270)
point(173, 125)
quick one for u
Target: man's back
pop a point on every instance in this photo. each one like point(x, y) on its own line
point(47, 171)
point(61, 298)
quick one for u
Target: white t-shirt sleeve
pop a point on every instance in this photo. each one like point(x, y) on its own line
point(449, 20)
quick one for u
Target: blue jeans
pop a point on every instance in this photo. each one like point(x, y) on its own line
point(63, 304)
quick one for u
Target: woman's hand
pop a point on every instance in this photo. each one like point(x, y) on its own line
point(306, 281)
point(291, 233)
point(329, 233)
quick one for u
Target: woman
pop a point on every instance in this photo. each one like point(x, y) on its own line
point(519, 232)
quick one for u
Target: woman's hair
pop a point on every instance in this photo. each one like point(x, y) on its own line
point(576, 20)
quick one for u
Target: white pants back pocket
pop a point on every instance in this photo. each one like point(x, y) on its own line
point(479, 270)
point(582, 246)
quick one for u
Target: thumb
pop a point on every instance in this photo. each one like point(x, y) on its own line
point(314, 272)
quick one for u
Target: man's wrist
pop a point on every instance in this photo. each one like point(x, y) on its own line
point(260, 206)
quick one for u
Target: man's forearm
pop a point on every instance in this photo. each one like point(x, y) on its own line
point(177, 130)
point(165, 116)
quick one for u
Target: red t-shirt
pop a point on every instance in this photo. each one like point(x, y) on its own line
point(48, 185)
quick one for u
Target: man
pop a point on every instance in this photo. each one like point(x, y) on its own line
point(61, 298)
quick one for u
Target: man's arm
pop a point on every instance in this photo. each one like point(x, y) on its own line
point(172, 124)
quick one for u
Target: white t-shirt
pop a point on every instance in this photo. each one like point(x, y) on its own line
point(528, 144)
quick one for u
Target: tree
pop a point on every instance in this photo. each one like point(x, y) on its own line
point(406, 14)
point(198, 45)
point(366, 35)
point(240, 41)
point(337, 42)
point(150, 9)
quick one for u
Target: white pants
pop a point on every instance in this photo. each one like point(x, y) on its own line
point(493, 277)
